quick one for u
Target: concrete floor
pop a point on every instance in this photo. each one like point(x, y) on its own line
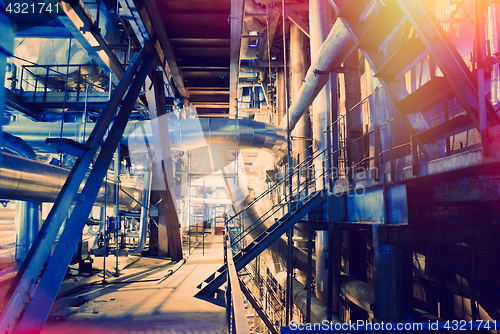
point(143, 300)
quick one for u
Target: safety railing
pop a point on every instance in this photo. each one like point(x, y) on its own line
point(272, 304)
point(53, 78)
point(236, 315)
point(300, 190)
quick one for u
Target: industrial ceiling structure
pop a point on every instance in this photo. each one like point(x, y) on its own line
point(348, 149)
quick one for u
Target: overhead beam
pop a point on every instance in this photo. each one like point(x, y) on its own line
point(299, 23)
point(270, 35)
point(237, 10)
point(211, 105)
point(46, 30)
point(208, 92)
point(439, 233)
point(82, 27)
point(151, 17)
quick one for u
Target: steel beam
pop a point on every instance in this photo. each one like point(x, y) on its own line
point(369, 206)
point(161, 137)
point(434, 234)
point(447, 58)
point(151, 17)
point(41, 249)
point(41, 302)
point(236, 19)
point(82, 26)
point(46, 30)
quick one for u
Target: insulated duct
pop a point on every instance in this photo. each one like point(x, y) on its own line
point(337, 46)
point(185, 134)
point(27, 180)
point(144, 212)
point(27, 214)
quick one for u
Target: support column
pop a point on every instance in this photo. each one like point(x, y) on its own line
point(393, 281)
point(280, 96)
point(320, 18)
point(302, 131)
point(167, 211)
point(298, 65)
point(27, 222)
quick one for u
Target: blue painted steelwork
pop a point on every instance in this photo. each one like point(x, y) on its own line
point(367, 206)
point(6, 45)
point(39, 307)
point(39, 252)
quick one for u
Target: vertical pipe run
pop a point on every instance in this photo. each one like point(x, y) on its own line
point(289, 301)
point(27, 222)
point(116, 176)
point(393, 281)
point(298, 67)
point(302, 131)
point(320, 18)
point(280, 96)
point(494, 40)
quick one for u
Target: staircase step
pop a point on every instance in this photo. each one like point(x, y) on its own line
point(389, 20)
point(427, 95)
point(403, 60)
point(448, 128)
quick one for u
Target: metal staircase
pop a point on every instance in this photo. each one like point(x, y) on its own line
point(248, 253)
point(394, 36)
point(302, 203)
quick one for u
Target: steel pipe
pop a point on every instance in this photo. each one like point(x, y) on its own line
point(27, 214)
point(358, 292)
point(337, 46)
point(185, 134)
point(144, 213)
point(28, 180)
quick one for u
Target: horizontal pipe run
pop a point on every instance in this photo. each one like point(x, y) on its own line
point(358, 292)
point(185, 134)
point(28, 180)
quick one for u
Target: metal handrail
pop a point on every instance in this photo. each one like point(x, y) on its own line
point(47, 67)
point(276, 184)
point(234, 297)
point(276, 208)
